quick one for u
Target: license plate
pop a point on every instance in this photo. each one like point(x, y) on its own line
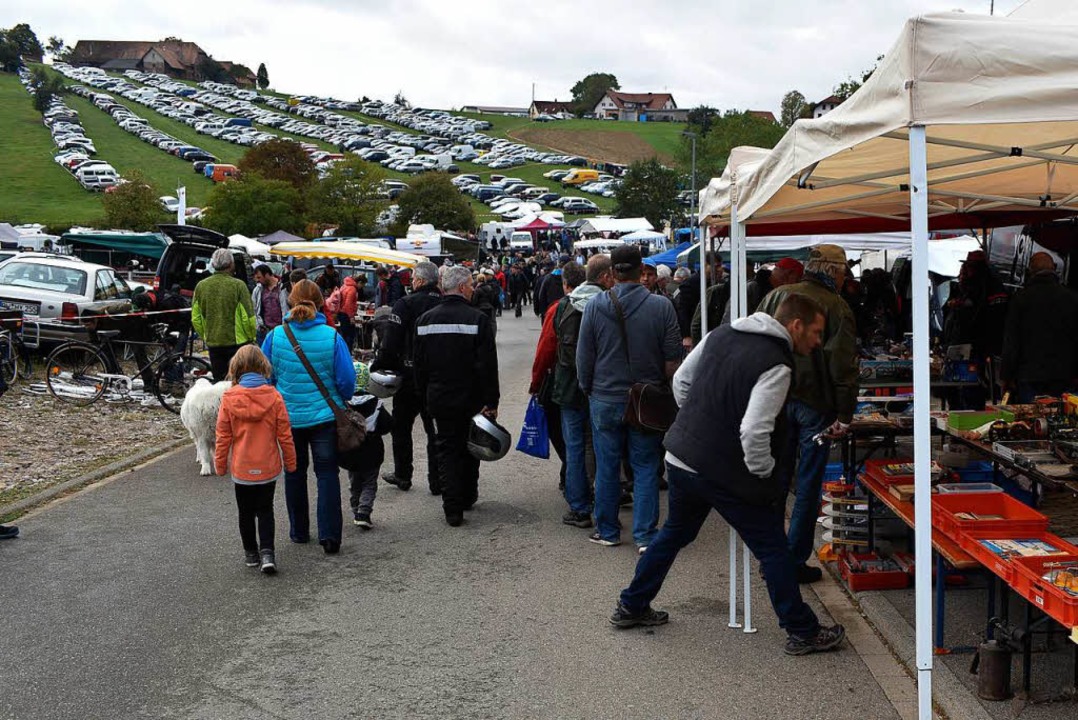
point(28, 308)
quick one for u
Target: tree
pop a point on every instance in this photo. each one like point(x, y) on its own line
point(850, 85)
point(280, 159)
point(45, 87)
point(590, 90)
point(399, 99)
point(700, 118)
point(253, 205)
point(350, 197)
point(263, 77)
point(648, 189)
point(734, 128)
point(133, 205)
point(27, 42)
point(57, 48)
point(433, 199)
point(793, 108)
point(10, 57)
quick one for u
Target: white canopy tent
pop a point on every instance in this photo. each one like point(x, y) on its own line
point(642, 236)
point(252, 247)
point(602, 224)
point(968, 121)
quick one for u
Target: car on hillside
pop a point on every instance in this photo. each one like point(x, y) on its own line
point(579, 206)
point(169, 203)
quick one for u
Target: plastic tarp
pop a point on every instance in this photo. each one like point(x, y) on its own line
point(9, 234)
point(996, 98)
point(599, 225)
point(670, 257)
point(278, 237)
point(146, 244)
point(644, 236)
point(254, 248)
point(346, 251)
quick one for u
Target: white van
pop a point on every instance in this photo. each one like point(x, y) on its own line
point(521, 240)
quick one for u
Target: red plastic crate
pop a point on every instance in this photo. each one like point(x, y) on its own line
point(1006, 568)
point(1052, 600)
point(875, 469)
point(1018, 519)
point(862, 581)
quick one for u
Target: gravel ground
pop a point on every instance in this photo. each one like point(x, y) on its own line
point(44, 442)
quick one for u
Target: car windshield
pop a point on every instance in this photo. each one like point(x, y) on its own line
point(44, 277)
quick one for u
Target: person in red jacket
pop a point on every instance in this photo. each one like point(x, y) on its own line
point(253, 427)
point(346, 314)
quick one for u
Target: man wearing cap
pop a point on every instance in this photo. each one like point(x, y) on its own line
point(611, 356)
point(824, 393)
point(1039, 345)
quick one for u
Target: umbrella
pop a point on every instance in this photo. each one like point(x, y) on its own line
point(346, 251)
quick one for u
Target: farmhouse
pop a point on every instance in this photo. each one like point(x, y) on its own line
point(634, 107)
point(549, 107)
point(176, 58)
point(825, 106)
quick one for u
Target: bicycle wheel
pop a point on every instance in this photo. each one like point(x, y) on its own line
point(175, 376)
point(75, 373)
point(9, 360)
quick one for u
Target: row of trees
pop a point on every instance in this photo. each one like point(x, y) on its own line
point(279, 189)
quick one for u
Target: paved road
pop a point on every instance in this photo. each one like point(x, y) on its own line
point(131, 600)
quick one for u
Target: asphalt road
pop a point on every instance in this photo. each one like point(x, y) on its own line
point(131, 600)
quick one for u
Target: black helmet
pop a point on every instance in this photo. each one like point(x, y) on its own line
point(384, 384)
point(487, 440)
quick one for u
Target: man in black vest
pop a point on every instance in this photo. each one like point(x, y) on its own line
point(396, 353)
point(725, 451)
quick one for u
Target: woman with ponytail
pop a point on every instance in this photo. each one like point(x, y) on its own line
point(313, 424)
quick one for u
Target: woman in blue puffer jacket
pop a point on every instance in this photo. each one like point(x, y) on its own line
point(313, 424)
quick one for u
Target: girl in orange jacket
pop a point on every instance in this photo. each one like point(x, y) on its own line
point(253, 425)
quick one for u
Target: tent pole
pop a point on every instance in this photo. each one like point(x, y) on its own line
point(922, 447)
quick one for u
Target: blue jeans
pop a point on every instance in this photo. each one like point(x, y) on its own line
point(577, 491)
point(805, 423)
point(691, 500)
point(611, 437)
point(321, 442)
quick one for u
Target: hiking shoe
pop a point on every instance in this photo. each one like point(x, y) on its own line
point(362, 520)
point(269, 563)
point(397, 482)
point(577, 519)
point(625, 618)
point(251, 559)
point(8, 532)
point(454, 518)
point(808, 574)
point(598, 540)
point(330, 547)
point(826, 638)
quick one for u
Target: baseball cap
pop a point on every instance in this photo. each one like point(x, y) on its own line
point(626, 258)
point(828, 253)
point(788, 263)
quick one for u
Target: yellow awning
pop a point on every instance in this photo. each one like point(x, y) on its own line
point(346, 251)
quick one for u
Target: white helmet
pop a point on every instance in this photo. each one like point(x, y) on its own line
point(384, 383)
point(487, 440)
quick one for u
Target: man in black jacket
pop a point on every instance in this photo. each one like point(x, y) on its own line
point(518, 288)
point(1039, 345)
point(397, 354)
point(725, 451)
point(549, 290)
point(456, 370)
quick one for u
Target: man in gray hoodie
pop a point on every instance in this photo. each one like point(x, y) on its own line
point(726, 451)
point(608, 362)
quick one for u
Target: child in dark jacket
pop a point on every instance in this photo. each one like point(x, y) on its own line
point(364, 463)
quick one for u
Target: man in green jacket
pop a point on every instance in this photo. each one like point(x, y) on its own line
point(824, 393)
point(222, 313)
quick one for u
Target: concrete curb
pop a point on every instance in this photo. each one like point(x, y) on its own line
point(950, 695)
point(21, 506)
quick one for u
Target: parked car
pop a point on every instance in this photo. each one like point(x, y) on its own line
point(53, 287)
point(186, 259)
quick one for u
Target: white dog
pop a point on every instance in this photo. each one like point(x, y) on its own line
point(199, 415)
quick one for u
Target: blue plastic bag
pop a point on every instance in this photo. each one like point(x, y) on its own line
point(534, 437)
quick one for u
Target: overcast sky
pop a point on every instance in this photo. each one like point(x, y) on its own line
point(741, 54)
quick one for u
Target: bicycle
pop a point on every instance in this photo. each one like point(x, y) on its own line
point(15, 356)
point(80, 373)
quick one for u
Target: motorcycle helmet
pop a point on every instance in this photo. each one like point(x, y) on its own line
point(487, 440)
point(384, 383)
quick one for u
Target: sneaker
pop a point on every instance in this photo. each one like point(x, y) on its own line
point(251, 559)
point(577, 519)
point(625, 618)
point(269, 563)
point(395, 481)
point(826, 638)
point(454, 518)
point(808, 574)
point(598, 540)
point(330, 547)
point(8, 532)
point(641, 549)
point(362, 520)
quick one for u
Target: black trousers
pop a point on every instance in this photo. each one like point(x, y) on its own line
point(458, 470)
point(220, 357)
point(554, 430)
point(406, 407)
point(255, 504)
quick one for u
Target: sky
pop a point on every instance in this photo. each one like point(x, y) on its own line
point(729, 54)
